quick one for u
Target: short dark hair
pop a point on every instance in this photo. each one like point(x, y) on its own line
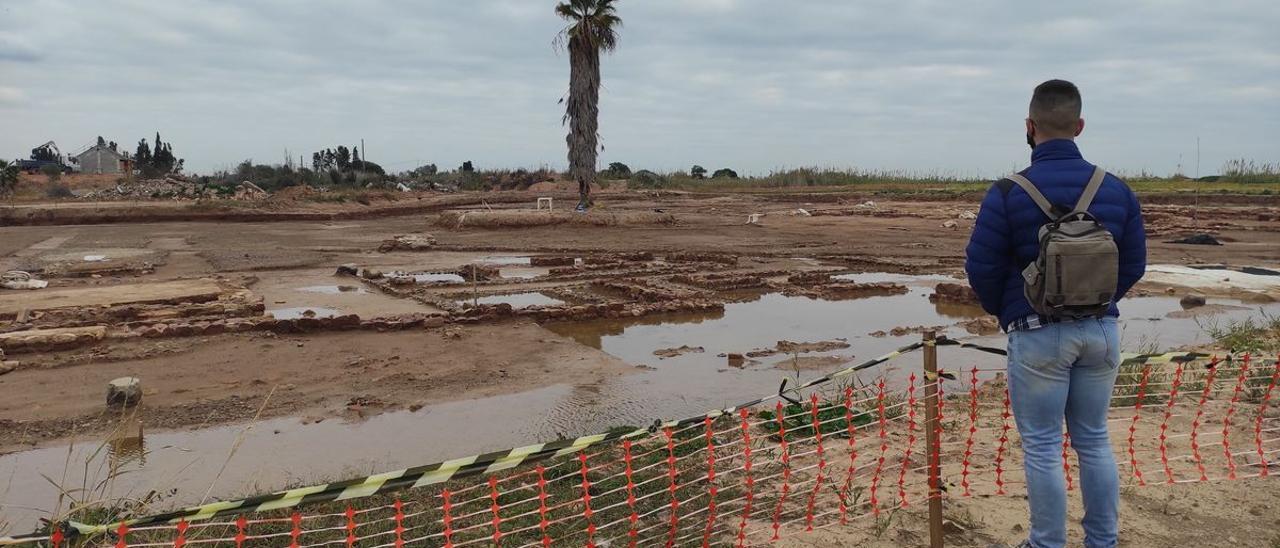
point(1055, 106)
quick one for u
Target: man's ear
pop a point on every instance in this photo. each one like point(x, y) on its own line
point(1079, 127)
point(1031, 127)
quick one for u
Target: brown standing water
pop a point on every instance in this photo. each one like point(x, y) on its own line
point(277, 453)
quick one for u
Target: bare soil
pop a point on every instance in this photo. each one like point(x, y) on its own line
point(201, 381)
point(273, 250)
point(272, 258)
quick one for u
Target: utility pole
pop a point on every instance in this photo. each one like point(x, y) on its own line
point(1195, 211)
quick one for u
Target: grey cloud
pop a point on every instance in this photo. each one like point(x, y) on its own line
point(753, 84)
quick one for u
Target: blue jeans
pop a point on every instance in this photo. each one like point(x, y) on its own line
point(1067, 370)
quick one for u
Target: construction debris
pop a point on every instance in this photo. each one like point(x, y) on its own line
point(17, 279)
point(249, 191)
point(408, 242)
point(124, 392)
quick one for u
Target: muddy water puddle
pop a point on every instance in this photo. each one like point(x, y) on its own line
point(272, 454)
point(279, 452)
point(523, 273)
point(297, 312)
point(503, 260)
point(520, 300)
point(434, 278)
point(334, 289)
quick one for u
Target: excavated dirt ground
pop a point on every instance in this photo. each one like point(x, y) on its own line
point(219, 377)
point(238, 314)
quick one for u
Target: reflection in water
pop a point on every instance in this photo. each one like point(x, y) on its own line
point(956, 310)
point(593, 333)
point(520, 300)
point(297, 312)
point(436, 277)
point(503, 260)
point(125, 444)
point(334, 289)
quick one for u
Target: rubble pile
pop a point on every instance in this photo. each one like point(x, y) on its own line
point(170, 187)
point(702, 258)
point(810, 278)
point(721, 282)
point(954, 294)
point(552, 261)
point(847, 290)
point(231, 304)
point(408, 242)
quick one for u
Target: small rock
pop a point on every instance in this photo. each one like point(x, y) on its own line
point(349, 269)
point(124, 392)
point(952, 528)
point(372, 274)
point(1198, 239)
point(950, 224)
point(1193, 300)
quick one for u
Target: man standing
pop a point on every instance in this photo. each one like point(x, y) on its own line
point(1064, 348)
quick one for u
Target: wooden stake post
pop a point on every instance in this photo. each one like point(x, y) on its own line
point(931, 438)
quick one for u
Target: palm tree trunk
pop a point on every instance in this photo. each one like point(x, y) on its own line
point(583, 111)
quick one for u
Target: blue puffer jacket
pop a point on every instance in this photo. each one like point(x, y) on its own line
point(1004, 239)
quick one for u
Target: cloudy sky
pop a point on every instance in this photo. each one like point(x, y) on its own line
point(751, 84)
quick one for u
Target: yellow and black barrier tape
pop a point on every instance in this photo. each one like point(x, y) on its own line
point(1126, 358)
point(486, 463)
point(431, 474)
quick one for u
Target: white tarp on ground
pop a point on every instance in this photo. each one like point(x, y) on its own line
point(1218, 278)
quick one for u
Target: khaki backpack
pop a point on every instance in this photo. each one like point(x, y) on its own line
point(1076, 272)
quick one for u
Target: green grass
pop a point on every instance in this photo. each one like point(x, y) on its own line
point(1251, 179)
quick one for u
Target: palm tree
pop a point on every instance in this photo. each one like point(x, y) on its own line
point(592, 29)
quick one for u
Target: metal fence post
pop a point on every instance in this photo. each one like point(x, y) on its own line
point(932, 379)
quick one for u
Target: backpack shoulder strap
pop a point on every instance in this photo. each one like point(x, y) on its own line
point(1034, 192)
point(1090, 190)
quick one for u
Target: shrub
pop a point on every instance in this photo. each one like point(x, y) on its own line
point(52, 171)
point(698, 172)
point(647, 179)
point(59, 191)
point(617, 170)
point(724, 173)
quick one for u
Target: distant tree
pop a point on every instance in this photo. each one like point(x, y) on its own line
point(355, 155)
point(102, 142)
point(724, 173)
point(467, 167)
point(592, 29)
point(142, 155)
point(113, 145)
point(427, 170)
point(698, 172)
point(617, 170)
point(343, 158)
point(8, 177)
